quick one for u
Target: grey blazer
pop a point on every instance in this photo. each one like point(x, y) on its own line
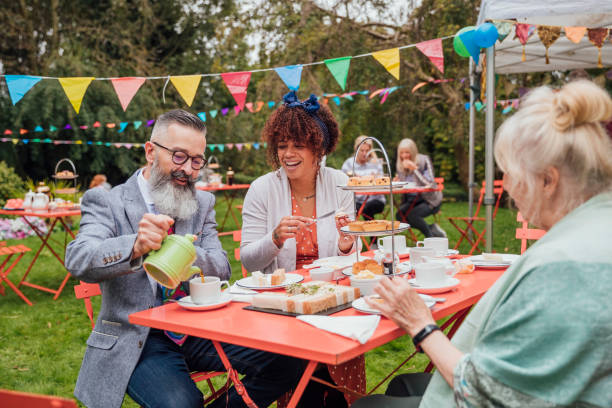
point(101, 253)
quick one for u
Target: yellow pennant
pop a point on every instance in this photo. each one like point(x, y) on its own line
point(78, 142)
point(390, 60)
point(186, 85)
point(75, 89)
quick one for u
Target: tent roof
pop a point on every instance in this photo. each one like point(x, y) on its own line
point(563, 54)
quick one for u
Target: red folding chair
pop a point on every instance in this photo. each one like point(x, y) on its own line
point(86, 290)
point(6, 267)
point(525, 233)
point(478, 240)
point(237, 237)
point(17, 399)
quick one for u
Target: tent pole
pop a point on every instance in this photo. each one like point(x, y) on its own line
point(471, 144)
point(489, 200)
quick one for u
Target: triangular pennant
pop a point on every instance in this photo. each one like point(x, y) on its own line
point(237, 84)
point(503, 29)
point(523, 32)
point(597, 36)
point(68, 126)
point(97, 124)
point(548, 35)
point(221, 147)
point(25, 141)
point(230, 146)
point(117, 144)
point(47, 140)
point(52, 128)
point(128, 145)
point(467, 38)
point(256, 146)
point(248, 146)
point(237, 110)
point(249, 106)
point(111, 125)
point(84, 127)
point(239, 146)
point(478, 106)
point(75, 89)
point(122, 126)
point(336, 100)
point(23, 131)
point(202, 116)
point(186, 85)
point(150, 122)
point(137, 145)
point(213, 113)
point(224, 111)
point(15, 141)
point(126, 88)
point(19, 85)
point(137, 124)
point(211, 147)
point(433, 50)
point(271, 104)
point(265, 145)
point(390, 60)
point(38, 128)
point(291, 76)
point(575, 34)
point(339, 68)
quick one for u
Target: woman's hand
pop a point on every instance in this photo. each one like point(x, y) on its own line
point(287, 228)
point(402, 304)
point(409, 164)
point(345, 242)
point(396, 178)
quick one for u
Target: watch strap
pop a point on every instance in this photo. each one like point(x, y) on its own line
point(422, 335)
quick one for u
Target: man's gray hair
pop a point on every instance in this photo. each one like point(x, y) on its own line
point(180, 117)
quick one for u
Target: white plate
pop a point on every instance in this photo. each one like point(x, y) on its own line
point(452, 252)
point(186, 303)
point(290, 278)
point(373, 188)
point(444, 287)
point(402, 227)
point(335, 262)
point(402, 268)
point(479, 261)
point(361, 305)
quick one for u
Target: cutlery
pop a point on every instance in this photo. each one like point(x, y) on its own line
point(326, 215)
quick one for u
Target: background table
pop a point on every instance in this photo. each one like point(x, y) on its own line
point(289, 336)
point(56, 217)
point(229, 194)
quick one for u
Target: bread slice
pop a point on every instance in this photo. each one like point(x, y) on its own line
point(259, 279)
point(278, 277)
point(271, 300)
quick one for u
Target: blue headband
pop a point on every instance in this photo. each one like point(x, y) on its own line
point(311, 106)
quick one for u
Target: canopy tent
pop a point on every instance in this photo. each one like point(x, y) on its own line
point(506, 57)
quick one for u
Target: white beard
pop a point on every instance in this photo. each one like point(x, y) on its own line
point(176, 201)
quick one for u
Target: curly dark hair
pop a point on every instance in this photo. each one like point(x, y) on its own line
point(296, 124)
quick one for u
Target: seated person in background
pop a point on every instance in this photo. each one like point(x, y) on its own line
point(366, 164)
point(278, 211)
point(99, 180)
point(540, 336)
point(121, 226)
point(417, 168)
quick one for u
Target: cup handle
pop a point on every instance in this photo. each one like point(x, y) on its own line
point(224, 282)
point(420, 242)
point(378, 243)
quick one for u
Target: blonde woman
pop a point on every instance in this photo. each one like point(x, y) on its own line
point(366, 164)
point(417, 168)
point(540, 336)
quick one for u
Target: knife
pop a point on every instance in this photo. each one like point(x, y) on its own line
point(326, 215)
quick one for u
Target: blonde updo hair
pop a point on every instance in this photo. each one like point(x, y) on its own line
point(562, 129)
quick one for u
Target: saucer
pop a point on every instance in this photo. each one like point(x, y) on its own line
point(401, 269)
point(444, 287)
point(361, 305)
point(480, 262)
point(186, 303)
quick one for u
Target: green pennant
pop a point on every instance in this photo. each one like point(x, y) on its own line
point(339, 68)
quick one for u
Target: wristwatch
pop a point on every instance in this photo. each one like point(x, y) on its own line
point(422, 335)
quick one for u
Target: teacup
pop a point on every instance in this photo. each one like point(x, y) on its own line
point(385, 243)
point(430, 274)
point(206, 292)
point(322, 274)
point(171, 263)
point(440, 245)
point(417, 254)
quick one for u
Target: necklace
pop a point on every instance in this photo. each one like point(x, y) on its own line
point(304, 199)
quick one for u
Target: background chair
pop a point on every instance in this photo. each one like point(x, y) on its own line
point(498, 190)
point(525, 233)
point(86, 290)
point(6, 267)
point(17, 399)
point(237, 237)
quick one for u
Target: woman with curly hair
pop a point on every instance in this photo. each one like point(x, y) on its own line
point(278, 230)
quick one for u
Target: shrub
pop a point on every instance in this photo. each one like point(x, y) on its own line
point(11, 185)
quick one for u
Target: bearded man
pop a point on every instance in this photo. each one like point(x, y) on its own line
point(118, 228)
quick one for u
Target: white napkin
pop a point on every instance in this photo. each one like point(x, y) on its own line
point(241, 294)
point(359, 328)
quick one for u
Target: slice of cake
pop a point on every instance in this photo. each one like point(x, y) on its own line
point(278, 277)
point(353, 181)
point(356, 225)
point(271, 300)
point(382, 181)
point(259, 279)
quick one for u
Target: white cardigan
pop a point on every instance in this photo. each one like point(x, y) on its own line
point(269, 199)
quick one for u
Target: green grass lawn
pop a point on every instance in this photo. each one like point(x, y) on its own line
point(42, 346)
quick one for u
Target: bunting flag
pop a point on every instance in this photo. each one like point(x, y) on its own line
point(503, 29)
point(75, 89)
point(575, 34)
point(339, 68)
point(239, 146)
point(548, 35)
point(19, 85)
point(433, 50)
point(271, 104)
point(597, 36)
point(523, 32)
point(291, 76)
point(390, 60)
point(186, 85)
point(202, 116)
point(237, 84)
point(230, 146)
point(126, 88)
point(137, 124)
point(470, 45)
point(224, 111)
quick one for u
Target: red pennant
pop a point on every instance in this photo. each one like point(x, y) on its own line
point(126, 88)
point(96, 124)
point(433, 50)
point(8, 132)
point(23, 131)
point(237, 83)
point(249, 106)
point(523, 32)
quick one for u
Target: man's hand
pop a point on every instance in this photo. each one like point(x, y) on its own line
point(152, 229)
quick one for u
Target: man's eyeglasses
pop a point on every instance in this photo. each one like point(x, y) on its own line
point(179, 157)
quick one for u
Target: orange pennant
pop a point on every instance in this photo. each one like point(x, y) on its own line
point(126, 88)
point(575, 34)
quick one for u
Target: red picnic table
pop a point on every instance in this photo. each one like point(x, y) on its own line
point(229, 194)
point(57, 217)
point(232, 324)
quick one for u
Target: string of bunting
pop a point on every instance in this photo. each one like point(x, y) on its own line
point(236, 82)
point(506, 104)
